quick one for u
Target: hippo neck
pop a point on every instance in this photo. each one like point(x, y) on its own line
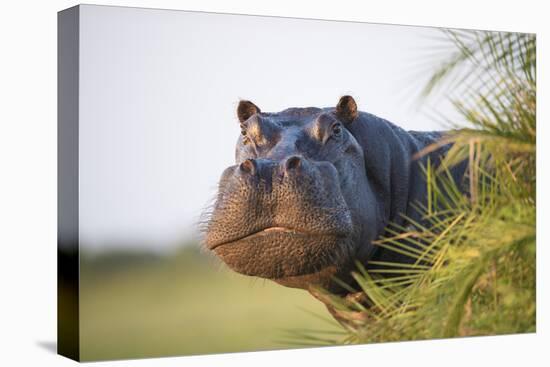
point(397, 180)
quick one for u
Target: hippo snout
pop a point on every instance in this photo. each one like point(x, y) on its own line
point(262, 168)
point(280, 218)
point(266, 172)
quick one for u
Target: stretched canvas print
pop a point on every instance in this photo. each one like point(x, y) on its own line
point(233, 183)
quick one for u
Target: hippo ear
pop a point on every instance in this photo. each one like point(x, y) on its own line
point(346, 109)
point(246, 109)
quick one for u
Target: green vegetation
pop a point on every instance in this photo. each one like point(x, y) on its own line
point(138, 305)
point(474, 256)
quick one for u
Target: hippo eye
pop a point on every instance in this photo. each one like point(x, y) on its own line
point(337, 129)
point(245, 139)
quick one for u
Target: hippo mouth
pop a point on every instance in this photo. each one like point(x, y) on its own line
point(279, 252)
point(274, 230)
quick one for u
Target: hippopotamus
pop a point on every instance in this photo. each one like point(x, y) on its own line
point(312, 188)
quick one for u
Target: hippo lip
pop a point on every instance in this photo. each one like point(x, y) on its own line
point(272, 230)
point(282, 252)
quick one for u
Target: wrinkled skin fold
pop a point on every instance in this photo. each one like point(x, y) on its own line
point(311, 189)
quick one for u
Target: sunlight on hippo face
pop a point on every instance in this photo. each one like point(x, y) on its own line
point(293, 206)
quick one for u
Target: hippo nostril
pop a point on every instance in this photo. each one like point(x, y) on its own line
point(292, 163)
point(248, 166)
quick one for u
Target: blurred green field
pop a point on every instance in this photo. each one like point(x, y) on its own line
point(138, 305)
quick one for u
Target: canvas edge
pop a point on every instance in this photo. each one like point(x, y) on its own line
point(68, 330)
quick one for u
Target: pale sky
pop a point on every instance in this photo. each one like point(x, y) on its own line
point(159, 89)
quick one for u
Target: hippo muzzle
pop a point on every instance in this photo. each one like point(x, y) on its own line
point(280, 219)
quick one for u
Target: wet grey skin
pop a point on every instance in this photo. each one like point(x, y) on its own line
point(311, 189)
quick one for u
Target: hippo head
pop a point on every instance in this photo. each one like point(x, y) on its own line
point(297, 206)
